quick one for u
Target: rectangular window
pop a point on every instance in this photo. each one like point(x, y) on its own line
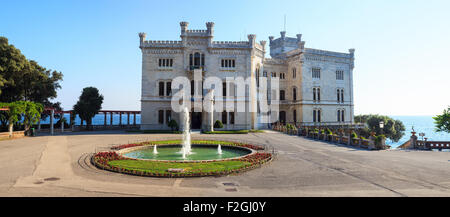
point(161, 88)
point(161, 116)
point(282, 95)
point(224, 117)
point(168, 116)
point(339, 75)
point(165, 63)
point(228, 63)
point(224, 89)
point(169, 88)
point(315, 73)
point(231, 117)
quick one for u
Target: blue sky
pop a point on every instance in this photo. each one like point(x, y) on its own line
point(402, 46)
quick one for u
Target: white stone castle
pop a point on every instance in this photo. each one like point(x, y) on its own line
point(315, 86)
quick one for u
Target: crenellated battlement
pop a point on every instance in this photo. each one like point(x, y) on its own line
point(230, 44)
point(196, 31)
point(157, 43)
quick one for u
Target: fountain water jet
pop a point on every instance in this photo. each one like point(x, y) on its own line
point(154, 150)
point(219, 150)
point(186, 150)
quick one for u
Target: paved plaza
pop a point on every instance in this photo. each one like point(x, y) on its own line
point(59, 166)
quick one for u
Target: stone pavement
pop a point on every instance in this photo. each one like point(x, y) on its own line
point(59, 166)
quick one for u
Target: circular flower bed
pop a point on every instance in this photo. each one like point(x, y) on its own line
point(113, 161)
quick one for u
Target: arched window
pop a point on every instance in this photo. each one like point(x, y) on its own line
point(316, 93)
point(314, 115)
point(294, 73)
point(257, 76)
point(282, 95)
point(319, 115)
point(283, 117)
point(338, 115)
point(161, 88)
point(294, 94)
point(295, 116)
point(338, 95)
point(343, 115)
point(203, 60)
point(197, 59)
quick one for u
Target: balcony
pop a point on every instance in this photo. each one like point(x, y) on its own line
point(191, 69)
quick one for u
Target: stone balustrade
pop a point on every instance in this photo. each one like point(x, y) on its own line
point(340, 138)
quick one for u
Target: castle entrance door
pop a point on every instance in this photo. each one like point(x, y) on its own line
point(196, 120)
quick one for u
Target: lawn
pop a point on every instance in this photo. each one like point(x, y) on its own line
point(162, 167)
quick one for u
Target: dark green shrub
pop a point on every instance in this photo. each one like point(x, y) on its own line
point(378, 141)
point(218, 124)
point(290, 127)
point(173, 124)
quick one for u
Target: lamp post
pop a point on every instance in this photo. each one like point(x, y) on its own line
point(381, 126)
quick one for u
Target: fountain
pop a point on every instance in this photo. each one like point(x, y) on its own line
point(186, 149)
point(154, 150)
point(219, 150)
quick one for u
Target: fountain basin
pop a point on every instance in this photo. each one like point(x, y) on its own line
point(200, 153)
point(130, 158)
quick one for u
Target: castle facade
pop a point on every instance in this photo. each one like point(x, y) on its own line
point(315, 86)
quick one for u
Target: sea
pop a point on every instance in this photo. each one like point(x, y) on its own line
point(421, 124)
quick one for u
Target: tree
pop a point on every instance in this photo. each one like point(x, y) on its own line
point(393, 129)
point(13, 114)
point(25, 80)
point(88, 105)
point(442, 122)
point(30, 111)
